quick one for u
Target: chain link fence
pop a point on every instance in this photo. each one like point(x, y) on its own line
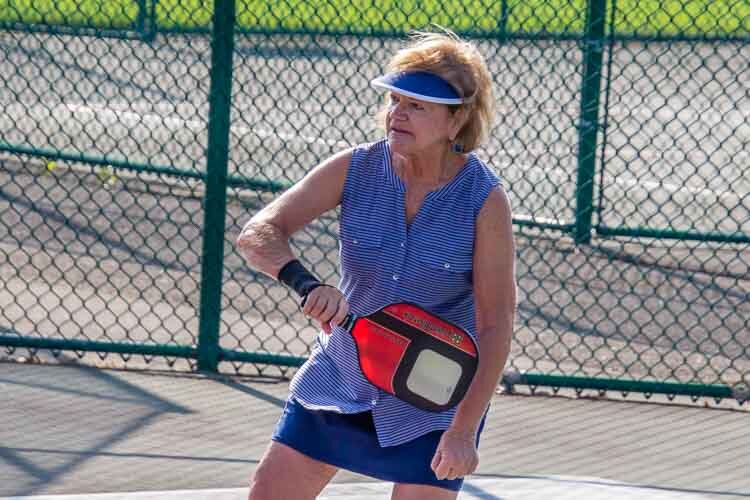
point(132, 152)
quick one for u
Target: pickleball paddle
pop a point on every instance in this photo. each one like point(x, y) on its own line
point(414, 355)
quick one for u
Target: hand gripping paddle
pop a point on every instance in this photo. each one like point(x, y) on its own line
point(414, 355)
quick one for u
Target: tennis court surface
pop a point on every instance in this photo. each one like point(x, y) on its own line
point(73, 432)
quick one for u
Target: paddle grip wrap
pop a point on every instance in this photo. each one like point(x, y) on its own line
point(299, 279)
point(348, 322)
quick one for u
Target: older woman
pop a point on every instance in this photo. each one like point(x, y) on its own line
point(423, 220)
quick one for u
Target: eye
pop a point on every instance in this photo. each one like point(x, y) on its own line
point(417, 106)
point(394, 99)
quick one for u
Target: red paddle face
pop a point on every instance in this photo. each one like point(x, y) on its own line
point(416, 356)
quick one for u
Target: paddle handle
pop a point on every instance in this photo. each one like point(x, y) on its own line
point(348, 322)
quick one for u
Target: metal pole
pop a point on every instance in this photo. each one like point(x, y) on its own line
point(503, 22)
point(589, 121)
point(215, 200)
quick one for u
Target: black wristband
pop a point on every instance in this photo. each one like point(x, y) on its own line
point(299, 279)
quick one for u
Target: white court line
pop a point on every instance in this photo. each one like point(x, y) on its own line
point(132, 118)
point(737, 115)
point(630, 182)
point(657, 186)
point(173, 123)
point(513, 488)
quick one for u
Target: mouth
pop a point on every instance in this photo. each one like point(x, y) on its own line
point(400, 131)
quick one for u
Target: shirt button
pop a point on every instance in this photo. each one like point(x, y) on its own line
point(447, 266)
point(355, 241)
point(402, 244)
point(395, 277)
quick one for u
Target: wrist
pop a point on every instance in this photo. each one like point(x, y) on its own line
point(298, 278)
point(464, 425)
point(462, 434)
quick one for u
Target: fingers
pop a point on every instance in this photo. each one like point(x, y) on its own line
point(446, 466)
point(315, 302)
point(454, 460)
point(341, 312)
point(327, 305)
point(436, 459)
point(440, 465)
point(453, 468)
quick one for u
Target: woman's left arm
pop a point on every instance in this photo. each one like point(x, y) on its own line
point(495, 301)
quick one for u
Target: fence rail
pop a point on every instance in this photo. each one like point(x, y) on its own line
point(132, 152)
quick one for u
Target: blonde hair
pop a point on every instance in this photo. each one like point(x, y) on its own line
point(461, 64)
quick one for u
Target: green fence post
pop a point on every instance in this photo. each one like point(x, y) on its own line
point(145, 24)
point(502, 24)
point(589, 120)
point(149, 25)
point(140, 20)
point(215, 200)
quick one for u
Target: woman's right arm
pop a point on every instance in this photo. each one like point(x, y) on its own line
point(264, 241)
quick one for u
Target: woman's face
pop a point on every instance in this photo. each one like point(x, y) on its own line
point(414, 126)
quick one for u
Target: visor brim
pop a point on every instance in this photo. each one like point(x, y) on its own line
point(419, 85)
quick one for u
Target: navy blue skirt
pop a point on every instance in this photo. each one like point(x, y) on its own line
point(348, 441)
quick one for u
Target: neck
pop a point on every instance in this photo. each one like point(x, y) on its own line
point(431, 168)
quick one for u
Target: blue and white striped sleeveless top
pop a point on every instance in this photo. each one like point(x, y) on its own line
point(428, 262)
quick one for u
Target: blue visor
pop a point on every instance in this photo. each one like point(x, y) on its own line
point(419, 85)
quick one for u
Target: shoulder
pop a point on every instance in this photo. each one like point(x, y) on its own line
point(356, 154)
point(366, 165)
point(370, 152)
point(331, 170)
point(497, 203)
point(483, 181)
point(484, 175)
point(494, 203)
point(495, 217)
point(341, 159)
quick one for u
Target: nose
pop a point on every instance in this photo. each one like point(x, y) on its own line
point(398, 111)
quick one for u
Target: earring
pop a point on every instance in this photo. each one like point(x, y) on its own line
point(457, 147)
